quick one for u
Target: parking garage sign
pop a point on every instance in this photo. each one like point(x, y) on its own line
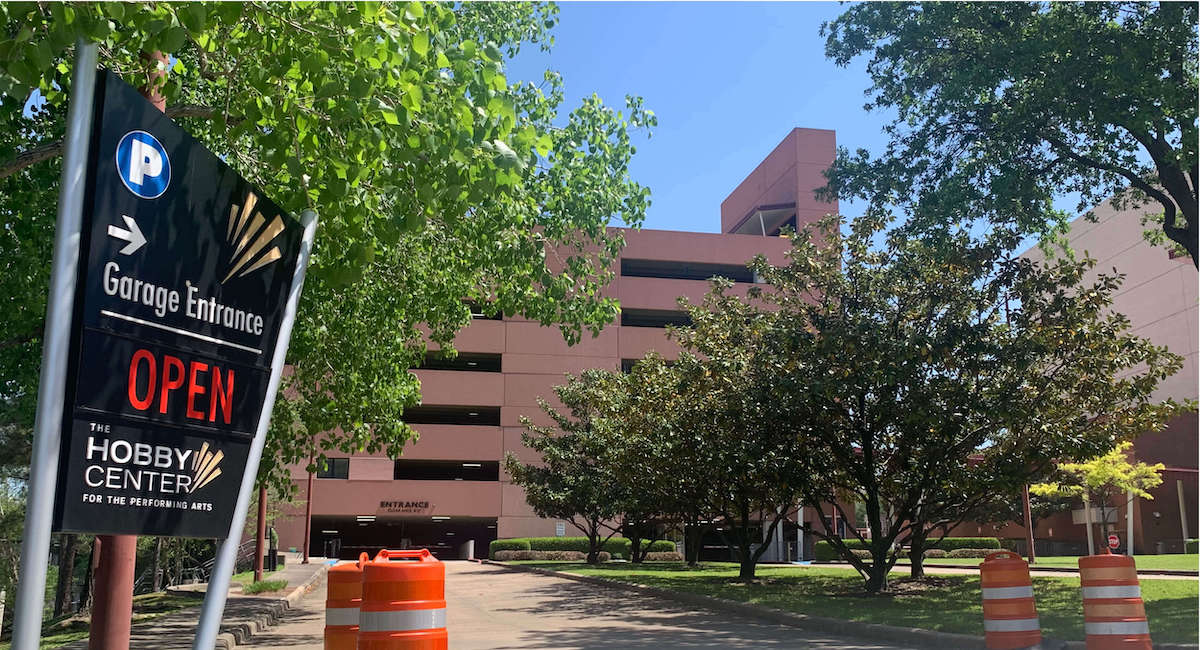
point(183, 278)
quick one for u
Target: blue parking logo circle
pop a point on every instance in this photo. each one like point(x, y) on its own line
point(143, 165)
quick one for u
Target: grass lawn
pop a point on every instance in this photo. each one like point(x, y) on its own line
point(946, 603)
point(145, 607)
point(1181, 562)
point(246, 577)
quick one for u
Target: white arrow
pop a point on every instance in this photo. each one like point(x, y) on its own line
point(134, 235)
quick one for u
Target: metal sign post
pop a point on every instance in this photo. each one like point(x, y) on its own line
point(52, 388)
point(222, 572)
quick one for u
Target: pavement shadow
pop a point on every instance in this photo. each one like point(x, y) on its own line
point(623, 619)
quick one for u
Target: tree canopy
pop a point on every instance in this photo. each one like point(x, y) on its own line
point(1109, 481)
point(1001, 106)
point(925, 374)
point(437, 180)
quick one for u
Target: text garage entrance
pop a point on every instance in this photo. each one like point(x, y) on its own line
point(446, 537)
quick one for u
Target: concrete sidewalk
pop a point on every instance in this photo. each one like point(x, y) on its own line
point(245, 616)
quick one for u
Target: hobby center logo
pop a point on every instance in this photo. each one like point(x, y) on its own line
point(117, 464)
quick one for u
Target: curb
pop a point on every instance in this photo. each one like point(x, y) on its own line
point(870, 631)
point(1042, 569)
point(242, 633)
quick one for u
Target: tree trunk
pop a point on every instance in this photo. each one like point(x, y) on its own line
point(916, 555)
point(877, 573)
point(635, 550)
point(158, 544)
point(63, 591)
point(93, 557)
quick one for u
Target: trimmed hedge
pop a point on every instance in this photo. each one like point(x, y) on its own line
point(664, 556)
point(615, 546)
point(507, 545)
point(971, 552)
point(934, 552)
point(1191, 546)
point(825, 552)
point(550, 556)
point(952, 543)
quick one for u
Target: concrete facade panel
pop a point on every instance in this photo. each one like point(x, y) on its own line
point(513, 502)
point(367, 469)
point(531, 527)
point(452, 441)
point(637, 341)
point(524, 390)
point(481, 336)
point(461, 498)
point(551, 364)
point(532, 338)
point(453, 387)
point(510, 416)
point(811, 148)
point(715, 248)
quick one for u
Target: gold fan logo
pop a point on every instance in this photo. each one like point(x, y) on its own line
point(204, 467)
point(249, 237)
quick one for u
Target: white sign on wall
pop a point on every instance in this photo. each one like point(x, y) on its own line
point(560, 529)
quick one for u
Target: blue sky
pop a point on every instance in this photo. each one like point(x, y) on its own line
point(726, 80)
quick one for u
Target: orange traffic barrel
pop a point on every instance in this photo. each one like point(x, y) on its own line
point(1113, 613)
point(342, 600)
point(1010, 617)
point(404, 602)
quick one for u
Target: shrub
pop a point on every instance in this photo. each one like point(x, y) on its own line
point(953, 543)
point(861, 553)
point(825, 552)
point(546, 556)
point(664, 556)
point(514, 544)
point(1191, 546)
point(615, 545)
point(659, 546)
point(971, 552)
point(934, 552)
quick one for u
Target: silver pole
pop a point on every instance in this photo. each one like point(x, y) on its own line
point(222, 571)
point(1129, 523)
point(56, 343)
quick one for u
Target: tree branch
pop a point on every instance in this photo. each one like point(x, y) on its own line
point(53, 149)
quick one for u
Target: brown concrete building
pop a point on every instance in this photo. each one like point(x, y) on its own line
point(1159, 296)
point(449, 488)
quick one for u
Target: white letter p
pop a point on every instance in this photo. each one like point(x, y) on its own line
point(144, 160)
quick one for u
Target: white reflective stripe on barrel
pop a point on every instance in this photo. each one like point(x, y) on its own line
point(1116, 627)
point(1007, 592)
point(1120, 591)
point(1011, 625)
point(341, 616)
point(403, 620)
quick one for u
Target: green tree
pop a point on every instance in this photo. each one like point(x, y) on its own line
point(1000, 106)
point(910, 367)
point(757, 465)
point(664, 461)
point(574, 479)
point(437, 181)
point(1109, 481)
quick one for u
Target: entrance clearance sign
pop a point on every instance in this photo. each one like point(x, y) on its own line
point(184, 274)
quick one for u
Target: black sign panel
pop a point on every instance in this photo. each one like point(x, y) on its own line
point(184, 273)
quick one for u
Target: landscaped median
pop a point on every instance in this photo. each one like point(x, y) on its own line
point(945, 603)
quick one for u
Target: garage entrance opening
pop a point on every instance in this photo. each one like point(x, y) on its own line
point(448, 538)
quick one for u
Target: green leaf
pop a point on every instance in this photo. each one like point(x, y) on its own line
point(172, 39)
point(420, 43)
